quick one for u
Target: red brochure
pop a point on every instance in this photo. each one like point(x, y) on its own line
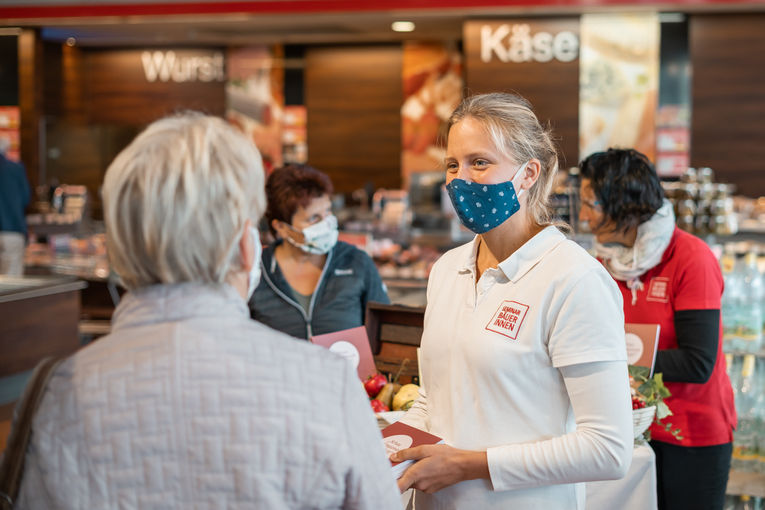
point(353, 345)
point(642, 343)
point(400, 436)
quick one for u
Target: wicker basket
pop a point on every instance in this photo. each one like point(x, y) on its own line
point(642, 419)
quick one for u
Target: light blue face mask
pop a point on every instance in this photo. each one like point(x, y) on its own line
point(483, 207)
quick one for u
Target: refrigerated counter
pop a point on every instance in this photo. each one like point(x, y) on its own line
point(39, 316)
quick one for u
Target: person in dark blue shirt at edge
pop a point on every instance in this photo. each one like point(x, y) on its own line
point(14, 198)
point(312, 283)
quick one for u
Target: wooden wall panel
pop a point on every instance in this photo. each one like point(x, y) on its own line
point(728, 110)
point(31, 99)
point(97, 100)
point(353, 98)
point(118, 92)
point(551, 87)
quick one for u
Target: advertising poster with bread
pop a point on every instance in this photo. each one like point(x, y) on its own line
point(619, 82)
point(432, 85)
point(254, 98)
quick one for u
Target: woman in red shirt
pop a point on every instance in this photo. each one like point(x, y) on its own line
point(671, 278)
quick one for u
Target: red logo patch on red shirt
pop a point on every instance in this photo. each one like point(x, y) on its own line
point(508, 318)
point(658, 290)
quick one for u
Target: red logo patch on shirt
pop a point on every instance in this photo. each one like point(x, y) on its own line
point(658, 290)
point(508, 318)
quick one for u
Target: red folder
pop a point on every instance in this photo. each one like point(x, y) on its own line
point(642, 344)
point(352, 344)
point(400, 436)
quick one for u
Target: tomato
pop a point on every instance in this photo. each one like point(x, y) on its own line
point(378, 406)
point(374, 384)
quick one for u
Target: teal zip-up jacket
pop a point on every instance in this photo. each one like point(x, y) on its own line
point(348, 282)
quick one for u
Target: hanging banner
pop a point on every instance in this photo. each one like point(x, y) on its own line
point(255, 99)
point(432, 83)
point(619, 82)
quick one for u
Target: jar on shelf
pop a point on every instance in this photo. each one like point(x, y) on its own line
point(707, 191)
point(686, 222)
point(705, 174)
point(701, 226)
point(718, 224)
point(688, 190)
point(689, 175)
point(686, 207)
point(717, 206)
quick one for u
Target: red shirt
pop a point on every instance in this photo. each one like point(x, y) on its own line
point(687, 278)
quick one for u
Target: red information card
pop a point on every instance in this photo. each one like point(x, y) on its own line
point(642, 343)
point(353, 345)
point(400, 436)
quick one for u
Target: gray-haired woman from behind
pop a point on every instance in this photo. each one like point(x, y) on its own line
point(188, 403)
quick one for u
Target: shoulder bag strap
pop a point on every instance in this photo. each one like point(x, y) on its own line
point(12, 467)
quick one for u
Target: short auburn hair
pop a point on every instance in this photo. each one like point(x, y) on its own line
point(291, 187)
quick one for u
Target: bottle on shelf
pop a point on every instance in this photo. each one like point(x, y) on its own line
point(731, 299)
point(751, 310)
point(759, 418)
point(745, 455)
point(744, 503)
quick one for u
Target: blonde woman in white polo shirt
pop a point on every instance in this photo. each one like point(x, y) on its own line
point(523, 356)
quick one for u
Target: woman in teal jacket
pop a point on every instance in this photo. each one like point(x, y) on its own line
point(312, 284)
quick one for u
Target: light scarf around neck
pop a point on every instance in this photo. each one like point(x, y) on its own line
point(628, 263)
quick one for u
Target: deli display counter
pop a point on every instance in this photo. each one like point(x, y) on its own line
point(38, 318)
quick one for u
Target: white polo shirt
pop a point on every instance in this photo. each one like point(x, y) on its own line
point(491, 354)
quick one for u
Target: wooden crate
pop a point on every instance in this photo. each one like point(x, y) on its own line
point(394, 335)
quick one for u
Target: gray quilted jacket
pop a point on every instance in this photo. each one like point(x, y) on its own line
point(190, 404)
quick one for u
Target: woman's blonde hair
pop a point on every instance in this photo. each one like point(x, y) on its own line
point(517, 133)
point(176, 201)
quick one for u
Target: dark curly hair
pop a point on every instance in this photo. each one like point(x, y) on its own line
point(626, 185)
point(291, 187)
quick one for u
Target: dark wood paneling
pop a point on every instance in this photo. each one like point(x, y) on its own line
point(551, 87)
point(728, 111)
point(30, 100)
point(31, 329)
point(97, 100)
point(353, 97)
point(118, 92)
point(73, 75)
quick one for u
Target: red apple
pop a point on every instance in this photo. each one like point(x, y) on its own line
point(374, 384)
point(378, 406)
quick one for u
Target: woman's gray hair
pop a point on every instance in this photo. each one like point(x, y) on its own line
point(176, 201)
point(517, 133)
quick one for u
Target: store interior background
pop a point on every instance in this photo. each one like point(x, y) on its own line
point(332, 84)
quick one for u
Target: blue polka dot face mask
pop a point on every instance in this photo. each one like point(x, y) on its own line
point(483, 207)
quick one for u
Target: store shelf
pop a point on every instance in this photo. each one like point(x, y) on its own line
point(742, 482)
point(759, 354)
point(406, 283)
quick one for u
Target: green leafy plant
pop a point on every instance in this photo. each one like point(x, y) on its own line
point(652, 391)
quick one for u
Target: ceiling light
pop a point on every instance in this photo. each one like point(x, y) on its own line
point(402, 26)
point(671, 17)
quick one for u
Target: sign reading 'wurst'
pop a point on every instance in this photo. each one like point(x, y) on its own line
point(167, 66)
